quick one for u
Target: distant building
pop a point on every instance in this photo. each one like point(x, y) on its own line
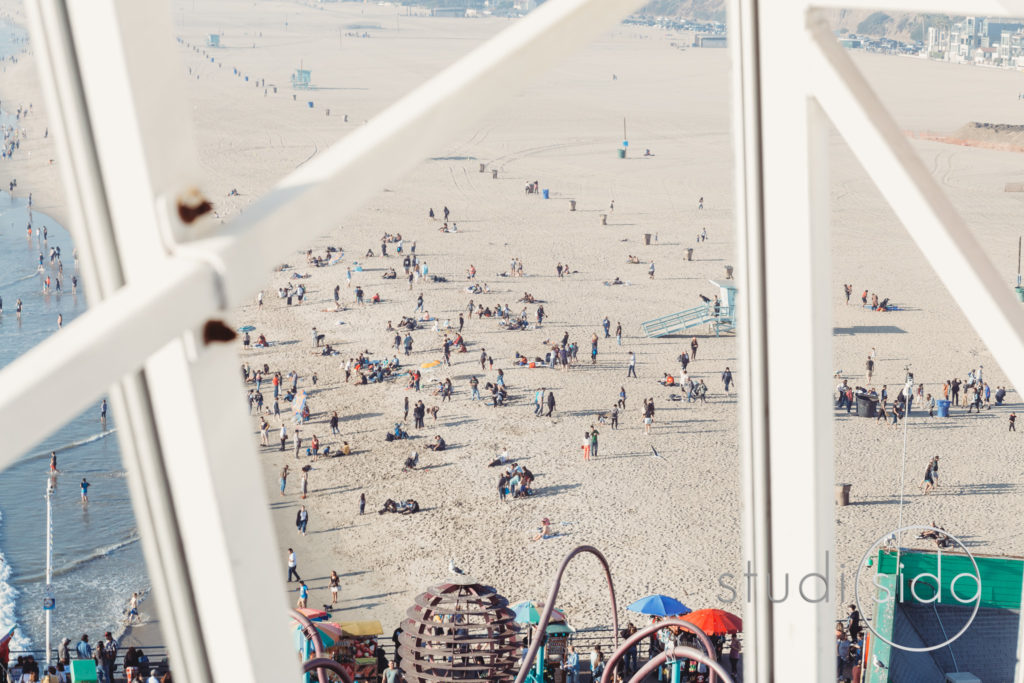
point(925, 597)
point(978, 41)
point(709, 41)
point(524, 6)
point(448, 12)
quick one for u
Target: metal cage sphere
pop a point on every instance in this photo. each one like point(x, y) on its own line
point(460, 631)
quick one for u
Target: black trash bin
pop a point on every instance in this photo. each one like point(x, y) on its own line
point(866, 405)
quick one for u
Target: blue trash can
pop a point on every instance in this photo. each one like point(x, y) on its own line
point(943, 408)
point(545, 193)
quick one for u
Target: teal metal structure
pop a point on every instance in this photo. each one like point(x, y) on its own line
point(720, 319)
point(302, 79)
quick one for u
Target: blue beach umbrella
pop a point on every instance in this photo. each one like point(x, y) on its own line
point(526, 613)
point(659, 606)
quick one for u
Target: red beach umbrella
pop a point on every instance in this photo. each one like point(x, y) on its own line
point(715, 622)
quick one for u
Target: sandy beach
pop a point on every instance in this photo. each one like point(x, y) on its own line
point(668, 522)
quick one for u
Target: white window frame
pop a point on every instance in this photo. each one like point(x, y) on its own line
point(117, 100)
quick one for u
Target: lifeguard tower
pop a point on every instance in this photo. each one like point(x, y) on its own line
point(301, 79)
point(720, 317)
point(213, 40)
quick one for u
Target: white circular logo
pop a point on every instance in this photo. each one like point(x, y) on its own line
point(913, 582)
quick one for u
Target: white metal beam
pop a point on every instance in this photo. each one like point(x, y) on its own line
point(929, 217)
point(101, 268)
point(141, 141)
point(190, 393)
point(752, 340)
point(99, 348)
point(797, 340)
point(312, 200)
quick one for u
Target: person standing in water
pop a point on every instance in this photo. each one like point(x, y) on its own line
point(133, 609)
point(103, 411)
point(85, 491)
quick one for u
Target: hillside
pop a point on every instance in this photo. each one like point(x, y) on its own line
point(699, 10)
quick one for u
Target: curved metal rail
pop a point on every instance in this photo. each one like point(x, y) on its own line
point(549, 606)
point(620, 651)
point(676, 653)
point(320, 662)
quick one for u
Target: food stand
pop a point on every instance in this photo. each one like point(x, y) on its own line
point(355, 650)
point(350, 643)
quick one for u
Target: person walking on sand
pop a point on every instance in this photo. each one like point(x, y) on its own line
point(283, 479)
point(303, 595)
point(1013, 422)
point(847, 290)
point(593, 442)
point(700, 204)
point(586, 446)
point(631, 370)
point(727, 378)
point(334, 584)
point(264, 432)
point(693, 347)
point(301, 520)
point(606, 324)
point(927, 485)
point(650, 271)
point(305, 484)
point(551, 403)
point(618, 333)
point(293, 567)
point(283, 434)
point(362, 503)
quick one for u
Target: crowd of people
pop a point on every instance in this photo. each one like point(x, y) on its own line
point(110, 662)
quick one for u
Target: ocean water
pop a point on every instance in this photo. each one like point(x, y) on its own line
point(97, 558)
